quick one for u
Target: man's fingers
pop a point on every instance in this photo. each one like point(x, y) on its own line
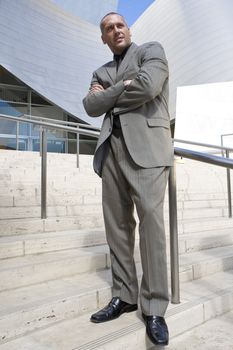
point(127, 82)
point(96, 87)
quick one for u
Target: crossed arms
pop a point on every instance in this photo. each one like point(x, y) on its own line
point(127, 95)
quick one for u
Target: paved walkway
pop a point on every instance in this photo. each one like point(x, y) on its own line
point(216, 334)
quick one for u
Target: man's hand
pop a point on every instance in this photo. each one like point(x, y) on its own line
point(127, 82)
point(95, 88)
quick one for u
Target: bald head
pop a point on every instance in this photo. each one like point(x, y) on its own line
point(109, 14)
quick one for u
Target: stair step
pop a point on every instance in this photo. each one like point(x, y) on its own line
point(203, 224)
point(206, 262)
point(87, 210)
point(94, 205)
point(201, 301)
point(67, 285)
point(32, 225)
point(205, 240)
point(32, 269)
point(12, 246)
point(27, 308)
point(23, 191)
point(37, 243)
point(32, 197)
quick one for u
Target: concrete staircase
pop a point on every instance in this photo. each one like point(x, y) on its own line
point(54, 273)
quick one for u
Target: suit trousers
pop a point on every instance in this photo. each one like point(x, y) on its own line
point(124, 185)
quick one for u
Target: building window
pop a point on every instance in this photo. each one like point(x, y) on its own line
point(17, 99)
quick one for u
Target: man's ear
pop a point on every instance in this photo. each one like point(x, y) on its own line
point(103, 39)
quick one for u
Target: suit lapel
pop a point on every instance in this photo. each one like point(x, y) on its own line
point(111, 70)
point(125, 62)
point(111, 67)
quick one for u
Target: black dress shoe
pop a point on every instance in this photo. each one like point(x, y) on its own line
point(156, 329)
point(114, 309)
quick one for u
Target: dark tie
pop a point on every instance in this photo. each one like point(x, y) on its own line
point(117, 59)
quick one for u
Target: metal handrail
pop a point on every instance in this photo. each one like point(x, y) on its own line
point(198, 156)
point(204, 157)
point(62, 122)
point(231, 134)
point(203, 144)
point(228, 176)
point(46, 125)
point(52, 126)
point(211, 160)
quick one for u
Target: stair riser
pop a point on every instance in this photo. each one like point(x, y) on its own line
point(30, 195)
point(76, 196)
point(210, 267)
point(23, 322)
point(35, 273)
point(52, 200)
point(21, 247)
point(43, 245)
point(15, 227)
point(199, 226)
point(94, 205)
point(32, 274)
point(25, 226)
point(193, 245)
point(88, 210)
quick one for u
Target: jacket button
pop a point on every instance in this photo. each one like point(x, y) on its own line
point(110, 130)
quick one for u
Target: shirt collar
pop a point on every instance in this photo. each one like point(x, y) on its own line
point(120, 57)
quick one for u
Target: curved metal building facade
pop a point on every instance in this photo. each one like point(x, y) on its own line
point(55, 53)
point(87, 9)
point(52, 52)
point(197, 36)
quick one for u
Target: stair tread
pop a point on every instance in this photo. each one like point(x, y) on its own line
point(81, 334)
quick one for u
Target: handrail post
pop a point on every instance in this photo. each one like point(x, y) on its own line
point(17, 135)
point(174, 249)
point(229, 187)
point(78, 149)
point(44, 175)
point(40, 138)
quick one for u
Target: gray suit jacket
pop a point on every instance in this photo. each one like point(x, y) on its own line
point(142, 106)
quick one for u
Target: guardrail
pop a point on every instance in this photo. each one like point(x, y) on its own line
point(207, 158)
point(88, 130)
point(58, 122)
point(228, 174)
point(81, 129)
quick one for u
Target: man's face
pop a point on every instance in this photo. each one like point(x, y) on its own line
point(115, 33)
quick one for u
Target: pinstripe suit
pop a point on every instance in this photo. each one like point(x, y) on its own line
point(134, 163)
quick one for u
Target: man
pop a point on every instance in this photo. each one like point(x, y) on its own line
point(133, 156)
